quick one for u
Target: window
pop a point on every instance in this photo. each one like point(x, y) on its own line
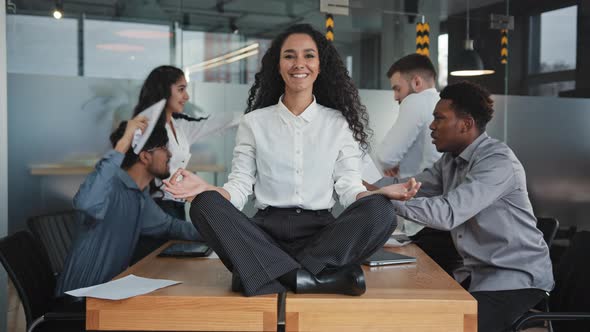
point(552, 52)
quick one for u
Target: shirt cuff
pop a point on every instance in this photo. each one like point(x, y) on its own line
point(234, 196)
point(351, 196)
point(386, 181)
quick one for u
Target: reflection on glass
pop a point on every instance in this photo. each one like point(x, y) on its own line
point(124, 49)
point(443, 60)
point(551, 89)
point(42, 45)
point(558, 39)
point(221, 57)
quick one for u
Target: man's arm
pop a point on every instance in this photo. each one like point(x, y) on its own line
point(488, 180)
point(158, 223)
point(93, 195)
point(430, 179)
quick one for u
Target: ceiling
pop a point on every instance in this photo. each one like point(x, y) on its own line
point(252, 17)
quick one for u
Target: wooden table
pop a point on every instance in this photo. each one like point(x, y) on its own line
point(409, 297)
point(406, 297)
point(203, 302)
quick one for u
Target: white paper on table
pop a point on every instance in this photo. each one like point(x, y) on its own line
point(369, 170)
point(397, 240)
point(123, 288)
point(213, 255)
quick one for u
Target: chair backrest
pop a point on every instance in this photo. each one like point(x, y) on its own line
point(548, 226)
point(28, 267)
point(55, 232)
point(572, 289)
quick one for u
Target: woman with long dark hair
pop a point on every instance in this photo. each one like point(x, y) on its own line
point(168, 82)
point(300, 141)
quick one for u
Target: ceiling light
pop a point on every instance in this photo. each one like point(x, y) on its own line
point(58, 11)
point(468, 62)
point(233, 27)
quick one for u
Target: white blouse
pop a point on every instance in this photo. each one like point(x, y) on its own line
point(295, 161)
point(190, 132)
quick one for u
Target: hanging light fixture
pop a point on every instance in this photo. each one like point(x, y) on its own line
point(468, 62)
point(58, 11)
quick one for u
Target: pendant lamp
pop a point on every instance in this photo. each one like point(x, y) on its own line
point(468, 62)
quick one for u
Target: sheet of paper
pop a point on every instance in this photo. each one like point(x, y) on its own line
point(152, 113)
point(213, 255)
point(397, 240)
point(123, 288)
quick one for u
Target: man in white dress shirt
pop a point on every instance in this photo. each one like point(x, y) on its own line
point(407, 148)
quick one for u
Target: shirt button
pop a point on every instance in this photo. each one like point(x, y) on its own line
point(460, 236)
point(298, 151)
point(298, 210)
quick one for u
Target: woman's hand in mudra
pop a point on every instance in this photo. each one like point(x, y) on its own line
point(185, 184)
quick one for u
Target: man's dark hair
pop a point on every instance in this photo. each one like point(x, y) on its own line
point(158, 138)
point(470, 99)
point(413, 63)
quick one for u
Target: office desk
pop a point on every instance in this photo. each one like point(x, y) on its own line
point(407, 297)
point(203, 302)
point(410, 297)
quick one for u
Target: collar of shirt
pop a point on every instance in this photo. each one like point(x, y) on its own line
point(430, 90)
point(128, 181)
point(469, 150)
point(308, 114)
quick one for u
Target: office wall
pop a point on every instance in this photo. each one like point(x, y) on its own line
point(71, 118)
point(550, 137)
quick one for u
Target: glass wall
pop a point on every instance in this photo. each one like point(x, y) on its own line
point(75, 79)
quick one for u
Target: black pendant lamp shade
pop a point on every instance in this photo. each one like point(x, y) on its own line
point(468, 63)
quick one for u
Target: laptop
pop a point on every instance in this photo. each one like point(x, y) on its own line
point(192, 249)
point(383, 257)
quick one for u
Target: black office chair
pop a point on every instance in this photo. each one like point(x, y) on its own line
point(548, 226)
point(570, 299)
point(55, 232)
point(28, 267)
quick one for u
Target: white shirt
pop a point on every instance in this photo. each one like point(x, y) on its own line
point(408, 143)
point(295, 161)
point(190, 132)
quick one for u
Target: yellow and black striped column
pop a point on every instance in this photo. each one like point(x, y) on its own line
point(423, 38)
point(504, 46)
point(329, 27)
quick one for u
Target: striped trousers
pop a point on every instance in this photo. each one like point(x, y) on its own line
point(276, 241)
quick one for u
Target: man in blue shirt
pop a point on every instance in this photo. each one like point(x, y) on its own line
point(116, 208)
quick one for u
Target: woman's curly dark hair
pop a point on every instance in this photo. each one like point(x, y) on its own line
point(333, 87)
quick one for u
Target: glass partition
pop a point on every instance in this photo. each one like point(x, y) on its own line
point(73, 80)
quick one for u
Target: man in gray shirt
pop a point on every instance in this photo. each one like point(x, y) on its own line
point(477, 190)
point(116, 208)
